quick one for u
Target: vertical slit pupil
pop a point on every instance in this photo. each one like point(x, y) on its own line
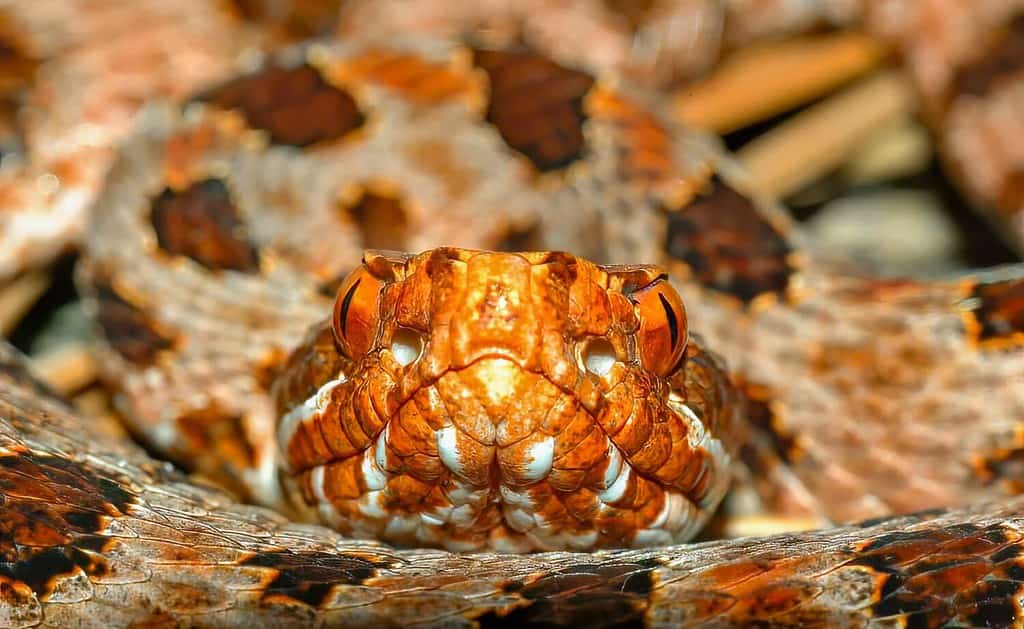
point(673, 323)
point(346, 303)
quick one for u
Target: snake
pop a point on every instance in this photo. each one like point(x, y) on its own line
point(467, 405)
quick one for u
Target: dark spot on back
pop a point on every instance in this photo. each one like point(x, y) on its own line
point(382, 221)
point(764, 423)
point(536, 105)
point(1001, 62)
point(1011, 193)
point(612, 595)
point(1004, 466)
point(128, 329)
point(728, 246)
point(296, 19)
point(951, 574)
point(294, 105)
point(309, 576)
point(214, 441)
point(634, 12)
point(53, 512)
point(201, 223)
point(525, 238)
point(996, 315)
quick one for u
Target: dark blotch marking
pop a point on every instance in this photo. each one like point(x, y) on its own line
point(53, 510)
point(581, 596)
point(295, 20)
point(202, 223)
point(128, 329)
point(673, 323)
point(918, 516)
point(728, 246)
point(383, 221)
point(634, 12)
point(294, 105)
point(309, 576)
point(1004, 60)
point(768, 429)
point(953, 574)
point(214, 441)
point(1005, 466)
point(536, 105)
point(998, 316)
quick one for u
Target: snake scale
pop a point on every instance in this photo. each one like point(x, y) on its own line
point(221, 238)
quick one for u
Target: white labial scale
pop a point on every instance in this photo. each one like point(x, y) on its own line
point(542, 455)
point(402, 525)
point(369, 505)
point(699, 438)
point(264, 478)
point(517, 508)
point(380, 450)
point(324, 506)
point(448, 449)
point(373, 476)
point(614, 458)
point(617, 489)
point(310, 407)
point(677, 521)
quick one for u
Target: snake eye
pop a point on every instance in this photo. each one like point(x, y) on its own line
point(662, 335)
point(357, 313)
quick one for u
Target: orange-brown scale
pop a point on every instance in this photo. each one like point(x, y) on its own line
point(526, 405)
point(994, 313)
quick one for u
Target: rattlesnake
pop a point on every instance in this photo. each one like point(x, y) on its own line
point(427, 135)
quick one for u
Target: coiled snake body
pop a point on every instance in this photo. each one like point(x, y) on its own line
point(223, 233)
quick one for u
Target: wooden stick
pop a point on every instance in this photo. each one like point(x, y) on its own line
point(18, 297)
point(760, 81)
point(67, 369)
point(820, 139)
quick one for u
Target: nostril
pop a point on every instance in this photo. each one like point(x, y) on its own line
point(599, 356)
point(406, 346)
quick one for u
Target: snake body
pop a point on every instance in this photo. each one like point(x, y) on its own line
point(223, 232)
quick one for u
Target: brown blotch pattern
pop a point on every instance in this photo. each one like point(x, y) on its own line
point(995, 318)
point(53, 512)
point(309, 577)
point(214, 441)
point(128, 329)
point(536, 105)
point(1011, 194)
point(300, 19)
point(1004, 466)
point(382, 221)
point(614, 595)
point(1003, 60)
point(295, 106)
point(962, 573)
point(728, 246)
point(202, 223)
point(634, 12)
point(767, 427)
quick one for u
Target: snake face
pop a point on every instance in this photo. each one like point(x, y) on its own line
point(516, 401)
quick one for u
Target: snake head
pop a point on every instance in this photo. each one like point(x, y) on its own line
point(518, 401)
